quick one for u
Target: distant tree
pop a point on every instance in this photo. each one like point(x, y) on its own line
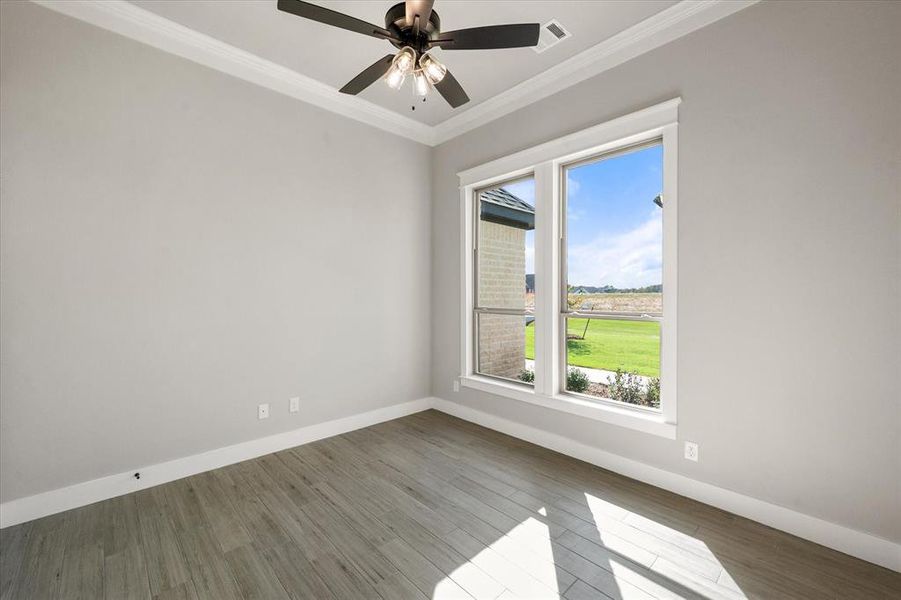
point(572, 300)
point(609, 289)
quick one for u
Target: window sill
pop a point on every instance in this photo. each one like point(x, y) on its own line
point(639, 420)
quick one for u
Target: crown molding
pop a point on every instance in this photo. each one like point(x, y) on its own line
point(655, 31)
point(149, 28)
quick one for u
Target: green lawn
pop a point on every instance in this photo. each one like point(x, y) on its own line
point(633, 346)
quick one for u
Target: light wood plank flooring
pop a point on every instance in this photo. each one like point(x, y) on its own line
point(427, 506)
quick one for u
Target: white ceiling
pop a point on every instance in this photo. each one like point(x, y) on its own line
point(333, 56)
point(309, 61)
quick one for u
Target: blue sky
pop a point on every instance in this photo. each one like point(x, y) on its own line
point(614, 229)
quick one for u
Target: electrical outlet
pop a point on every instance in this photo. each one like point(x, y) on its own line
point(263, 411)
point(456, 385)
point(691, 451)
point(294, 404)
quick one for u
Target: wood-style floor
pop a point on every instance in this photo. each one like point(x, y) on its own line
point(427, 506)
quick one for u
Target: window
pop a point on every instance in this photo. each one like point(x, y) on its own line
point(505, 291)
point(612, 302)
point(569, 273)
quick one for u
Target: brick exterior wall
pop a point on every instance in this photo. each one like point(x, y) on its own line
point(502, 268)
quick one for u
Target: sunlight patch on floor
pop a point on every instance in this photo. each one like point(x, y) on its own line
point(638, 557)
point(521, 561)
point(476, 581)
point(662, 559)
point(603, 510)
point(448, 590)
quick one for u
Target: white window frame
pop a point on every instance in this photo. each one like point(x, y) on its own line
point(546, 162)
point(476, 305)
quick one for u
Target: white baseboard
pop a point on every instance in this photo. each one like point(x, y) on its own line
point(856, 543)
point(862, 545)
point(88, 492)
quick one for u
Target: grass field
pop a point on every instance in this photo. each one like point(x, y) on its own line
point(633, 346)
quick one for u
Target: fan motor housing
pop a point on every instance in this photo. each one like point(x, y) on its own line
point(396, 23)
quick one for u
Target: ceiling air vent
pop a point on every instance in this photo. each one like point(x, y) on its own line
point(553, 32)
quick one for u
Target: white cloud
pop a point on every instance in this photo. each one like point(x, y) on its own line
point(573, 214)
point(572, 187)
point(630, 259)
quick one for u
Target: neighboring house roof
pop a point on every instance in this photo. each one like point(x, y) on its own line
point(500, 206)
point(505, 198)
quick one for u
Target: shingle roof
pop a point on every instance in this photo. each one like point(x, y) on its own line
point(502, 197)
point(500, 206)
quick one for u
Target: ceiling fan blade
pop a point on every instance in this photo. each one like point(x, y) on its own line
point(520, 35)
point(368, 76)
point(423, 8)
point(318, 13)
point(451, 90)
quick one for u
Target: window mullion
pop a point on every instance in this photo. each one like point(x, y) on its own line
point(546, 279)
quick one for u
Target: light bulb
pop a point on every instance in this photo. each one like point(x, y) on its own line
point(405, 60)
point(401, 65)
point(420, 83)
point(395, 78)
point(433, 69)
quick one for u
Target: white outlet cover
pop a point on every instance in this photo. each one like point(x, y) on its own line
point(456, 386)
point(263, 411)
point(691, 451)
point(294, 404)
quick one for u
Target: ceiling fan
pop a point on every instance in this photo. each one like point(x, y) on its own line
point(414, 28)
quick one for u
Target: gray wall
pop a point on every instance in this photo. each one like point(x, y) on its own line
point(789, 187)
point(179, 246)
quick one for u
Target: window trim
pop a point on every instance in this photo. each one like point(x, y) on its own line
point(546, 163)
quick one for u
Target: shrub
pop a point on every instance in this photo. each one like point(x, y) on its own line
point(628, 388)
point(527, 375)
point(577, 380)
point(654, 392)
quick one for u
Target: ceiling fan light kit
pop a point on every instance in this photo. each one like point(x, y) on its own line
point(421, 83)
point(434, 70)
point(414, 28)
point(401, 66)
